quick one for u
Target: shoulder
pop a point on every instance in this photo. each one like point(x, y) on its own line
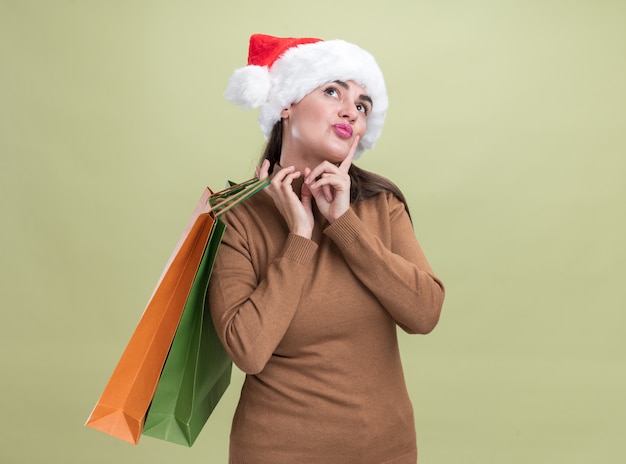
point(248, 209)
point(255, 217)
point(383, 204)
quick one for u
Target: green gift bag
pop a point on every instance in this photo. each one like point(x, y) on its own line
point(197, 370)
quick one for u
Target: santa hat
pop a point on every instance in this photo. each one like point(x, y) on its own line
point(282, 71)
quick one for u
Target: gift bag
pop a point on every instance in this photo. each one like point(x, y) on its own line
point(122, 407)
point(197, 370)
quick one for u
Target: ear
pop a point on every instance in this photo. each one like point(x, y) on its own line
point(284, 114)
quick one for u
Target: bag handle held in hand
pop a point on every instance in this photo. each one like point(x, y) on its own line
point(225, 199)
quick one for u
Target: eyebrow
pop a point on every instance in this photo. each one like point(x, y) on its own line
point(362, 97)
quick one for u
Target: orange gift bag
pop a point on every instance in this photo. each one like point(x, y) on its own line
point(122, 407)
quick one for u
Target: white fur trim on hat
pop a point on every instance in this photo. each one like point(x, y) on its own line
point(249, 87)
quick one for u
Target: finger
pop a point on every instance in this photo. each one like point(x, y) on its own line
point(305, 197)
point(263, 171)
point(333, 180)
point(283, 181)
point(289, 178)
point(318, 171)
point(318, 195)
point(345, 164)
point(327, 193)
point(280, 175)
point(322, 189)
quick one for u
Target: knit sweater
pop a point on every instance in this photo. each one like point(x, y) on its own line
point(312, 323)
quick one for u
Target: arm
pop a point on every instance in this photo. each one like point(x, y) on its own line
point(250, 315)
point(251, 307)
point(399, 276)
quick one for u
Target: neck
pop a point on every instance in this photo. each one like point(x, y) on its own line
point(300, 155)
point(299, 162)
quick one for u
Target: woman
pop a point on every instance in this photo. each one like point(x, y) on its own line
point(315, 271)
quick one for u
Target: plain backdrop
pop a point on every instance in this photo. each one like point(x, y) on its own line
point(505, 131)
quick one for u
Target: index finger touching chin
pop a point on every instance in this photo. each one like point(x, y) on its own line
point(345, 164)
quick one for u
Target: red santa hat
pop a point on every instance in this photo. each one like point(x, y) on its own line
point(282, 71)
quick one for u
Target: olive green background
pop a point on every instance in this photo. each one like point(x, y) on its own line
point(505, 131)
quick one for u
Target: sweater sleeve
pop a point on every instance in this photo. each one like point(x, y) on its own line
point(251, 314)
point(400, 276)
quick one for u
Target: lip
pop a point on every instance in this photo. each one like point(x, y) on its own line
point(343, 130)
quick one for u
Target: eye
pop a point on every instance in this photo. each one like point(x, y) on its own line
point(363, 108)
point(332, 91)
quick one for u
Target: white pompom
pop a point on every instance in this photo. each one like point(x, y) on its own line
point(249, 87)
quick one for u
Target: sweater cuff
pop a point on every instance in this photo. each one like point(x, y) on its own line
point(299, 249)
point(345, 229)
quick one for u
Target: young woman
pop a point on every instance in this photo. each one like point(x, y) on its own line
point(316, 271)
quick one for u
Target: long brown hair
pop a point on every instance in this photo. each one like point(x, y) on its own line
point(363, 184)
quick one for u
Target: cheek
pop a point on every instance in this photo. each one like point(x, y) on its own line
point(312, 119)
point(362, 127)
point(302, 128)
point(317, 114)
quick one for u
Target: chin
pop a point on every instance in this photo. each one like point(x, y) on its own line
point(337, 154)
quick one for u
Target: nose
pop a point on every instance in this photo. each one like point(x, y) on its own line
point(348, 111)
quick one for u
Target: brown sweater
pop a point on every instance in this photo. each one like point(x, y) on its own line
point(313, 325)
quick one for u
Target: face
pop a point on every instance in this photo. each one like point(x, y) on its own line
point(323, 125)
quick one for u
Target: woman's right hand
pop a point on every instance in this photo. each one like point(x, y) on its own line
point(297, 212)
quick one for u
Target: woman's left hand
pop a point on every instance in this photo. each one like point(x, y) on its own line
point(330, 185)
